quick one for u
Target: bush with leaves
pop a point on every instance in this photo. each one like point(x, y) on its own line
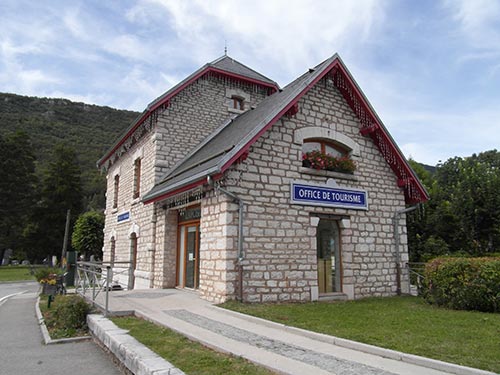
point(67, 317)
point(464, 283)
point(88, 235)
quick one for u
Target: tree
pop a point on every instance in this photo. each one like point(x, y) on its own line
point(17, 188)
point(462, 215)
point(61, 190)
point(88, 235)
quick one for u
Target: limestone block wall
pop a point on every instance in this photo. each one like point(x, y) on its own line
point(190, 117)
point(140, 221)
point(195, 113)
point(218, 247)
point(280, 238)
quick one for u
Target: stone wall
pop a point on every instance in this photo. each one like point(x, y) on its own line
point(218, 247)
point(190, 117)
point(280, 238)
point(140, 221)
point(195, 113)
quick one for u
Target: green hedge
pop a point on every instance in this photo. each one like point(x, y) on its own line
point(464, 283)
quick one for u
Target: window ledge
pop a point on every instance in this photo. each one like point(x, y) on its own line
point(135, 200)
point(237, 111)
point(114, 210)
point(331, 174)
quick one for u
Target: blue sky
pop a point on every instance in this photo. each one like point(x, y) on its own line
point(431, 69)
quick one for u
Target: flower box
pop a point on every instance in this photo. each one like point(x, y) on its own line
point(49, 289)
point(321, 161)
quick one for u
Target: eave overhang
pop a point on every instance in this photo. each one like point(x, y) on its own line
point(163, 101)
point(371, 126)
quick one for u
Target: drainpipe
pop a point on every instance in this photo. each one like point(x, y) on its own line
point(395, 222)
point(241, 207)
point(153, 248)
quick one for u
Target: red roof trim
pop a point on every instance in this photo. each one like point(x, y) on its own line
point(401, 161)
point(272, 87)
point(377, 128)
point(174, 192)
point(276, 118)
point(177, 90)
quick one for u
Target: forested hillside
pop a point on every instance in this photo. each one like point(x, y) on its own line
point(88, 129)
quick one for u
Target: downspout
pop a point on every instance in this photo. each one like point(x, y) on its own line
point(395, 222)
point(153, 249)
point(241, 207)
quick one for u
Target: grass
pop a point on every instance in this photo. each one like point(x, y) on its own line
point(406, 324)
point(58, 328)
point(15, 273)
point(191, 357)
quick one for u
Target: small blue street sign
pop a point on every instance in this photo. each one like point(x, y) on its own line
point(123, 217)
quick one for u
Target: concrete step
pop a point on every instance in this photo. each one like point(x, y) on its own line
point(333, 297)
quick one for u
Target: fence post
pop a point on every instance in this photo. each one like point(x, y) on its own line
point(93, 283)
point(108, 275)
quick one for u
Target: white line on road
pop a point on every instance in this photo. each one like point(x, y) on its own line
point(3, 299)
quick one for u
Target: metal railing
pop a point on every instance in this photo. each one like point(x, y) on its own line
point(95, 279)
point(416, 271)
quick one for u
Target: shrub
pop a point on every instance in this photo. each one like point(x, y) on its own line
point(46, 272)
point(464, 283)
point(70, 313)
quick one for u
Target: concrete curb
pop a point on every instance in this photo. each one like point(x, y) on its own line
point(136, 357)
point(366, 348)
point(45, 331)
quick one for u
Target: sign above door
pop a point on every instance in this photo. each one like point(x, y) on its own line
point(328, 196)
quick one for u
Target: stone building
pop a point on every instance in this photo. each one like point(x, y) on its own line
point(236, 188)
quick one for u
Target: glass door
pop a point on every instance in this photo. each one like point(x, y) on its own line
point(188, 255)
point(328, 251)
point(192, 258)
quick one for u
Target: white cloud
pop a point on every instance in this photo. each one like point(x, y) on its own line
point(478, 21)
point(292, 34)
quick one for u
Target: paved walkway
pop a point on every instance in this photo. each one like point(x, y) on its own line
point(272, 345)
point(22, 351)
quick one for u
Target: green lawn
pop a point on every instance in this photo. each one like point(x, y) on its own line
point(191, 357)
point(15, 273)
point(405, 324)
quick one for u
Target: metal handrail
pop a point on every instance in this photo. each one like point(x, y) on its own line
point(416, 268)
point(98, 276)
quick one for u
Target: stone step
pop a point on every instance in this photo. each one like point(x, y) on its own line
point(333, 297)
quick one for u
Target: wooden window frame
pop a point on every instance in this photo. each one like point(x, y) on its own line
point(116, 189)
point(238, 103)
point(324, 143)
point(112, 251)
point(137, 178)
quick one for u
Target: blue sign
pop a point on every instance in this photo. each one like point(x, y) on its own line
point(123, 217)
point(326, 196)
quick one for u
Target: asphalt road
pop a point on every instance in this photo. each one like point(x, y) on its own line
point(9, 288)
point(21, 344)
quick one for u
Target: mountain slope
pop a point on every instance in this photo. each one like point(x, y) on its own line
point(89, 129)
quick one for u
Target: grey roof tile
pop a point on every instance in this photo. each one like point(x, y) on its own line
point(224, 63)
point(232, 66)
point(211, 157)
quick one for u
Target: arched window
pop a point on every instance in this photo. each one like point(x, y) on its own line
point(322, 155)
point(137, 178)
point(324, 147)
point(133, 260)
point(112, 251)
point(133, 250)
point(238, 103)
point(115, 191)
